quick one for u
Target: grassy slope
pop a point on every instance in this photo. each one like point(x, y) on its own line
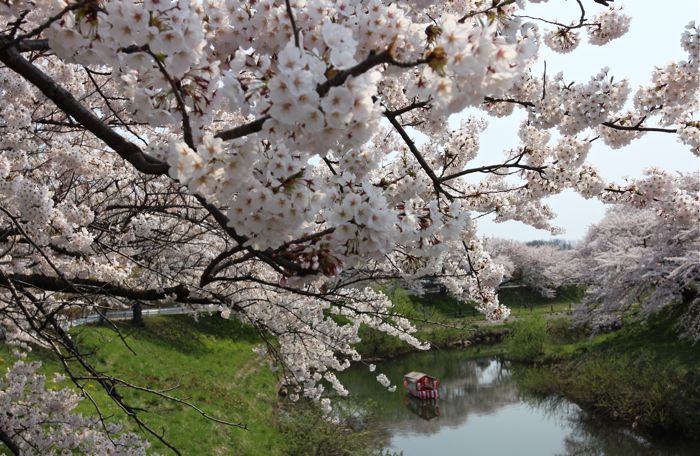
point(213, 365)
point(641, 375)
point(456, 320)
point(525, 302)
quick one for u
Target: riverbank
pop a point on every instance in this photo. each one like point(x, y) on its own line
point(448, 323)
point(209, 362)
point(482, 410)
point(641, 376)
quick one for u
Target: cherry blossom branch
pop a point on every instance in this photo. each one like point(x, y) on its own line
point(33, 45)
point(67, 342)
point(496, 5)
point(639, 128)
point(419, 157)
point(122, 123)
point(415, 105)
point(558, 24)
point(243, 130)
point(492, 168)
point(126, 149)
point(176, 88)
point(295, 30)
point(527, 104)
point(374, 59)
point(212, 268)
point(609, 124)
point(77, 285)
point(43, 26)
point(67, 103)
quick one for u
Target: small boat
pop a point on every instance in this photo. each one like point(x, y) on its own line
point(420, 385)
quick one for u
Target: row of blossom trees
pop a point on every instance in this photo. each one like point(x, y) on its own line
point(634, 262)
point(543, 268)
point(256, 158)
point(641, 261)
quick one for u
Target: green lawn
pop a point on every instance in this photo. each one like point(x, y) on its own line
point(521, 300)
point(212, 364)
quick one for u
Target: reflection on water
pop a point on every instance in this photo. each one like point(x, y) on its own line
point(425, 408)
point(481, 411)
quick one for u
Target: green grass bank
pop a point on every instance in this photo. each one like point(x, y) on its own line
point(642, 375)
point(446, 322)
point(210, 363)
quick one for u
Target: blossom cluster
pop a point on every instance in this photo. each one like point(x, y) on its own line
point(41, 420)
point(611, 24)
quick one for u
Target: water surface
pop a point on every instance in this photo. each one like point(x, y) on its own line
point(482, 412)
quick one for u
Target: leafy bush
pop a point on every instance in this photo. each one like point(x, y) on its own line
point(640, 388)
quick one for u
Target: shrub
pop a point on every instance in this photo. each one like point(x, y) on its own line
point(640, 389)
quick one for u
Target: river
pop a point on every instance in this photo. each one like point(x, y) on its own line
point(482, 412)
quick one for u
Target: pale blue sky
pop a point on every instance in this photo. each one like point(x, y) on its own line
point(653, 40)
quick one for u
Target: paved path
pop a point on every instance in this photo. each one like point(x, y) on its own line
point(126, 315)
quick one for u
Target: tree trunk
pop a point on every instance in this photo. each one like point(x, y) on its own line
point(9, 443)
point(137, 316)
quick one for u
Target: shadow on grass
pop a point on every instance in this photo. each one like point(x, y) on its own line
point(177, 332)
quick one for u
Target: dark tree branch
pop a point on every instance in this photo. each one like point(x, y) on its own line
point(609, 124)
point(243, 130)
point(408, 108)
point(496, 5)
point(295, 30)
point(5, 45)
point(372, 60)
point(492, 168)
point(419, 157)
point(109, 106)
point(89, 286)
point(527, 104)
point(65, 340)
point(639, 128)
point(559, 24)
point(177, 91)
point(33, 45)
point(65, 101)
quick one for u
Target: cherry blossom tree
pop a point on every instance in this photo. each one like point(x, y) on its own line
point(257, 159)
point(642, 260)
point(542, 268)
